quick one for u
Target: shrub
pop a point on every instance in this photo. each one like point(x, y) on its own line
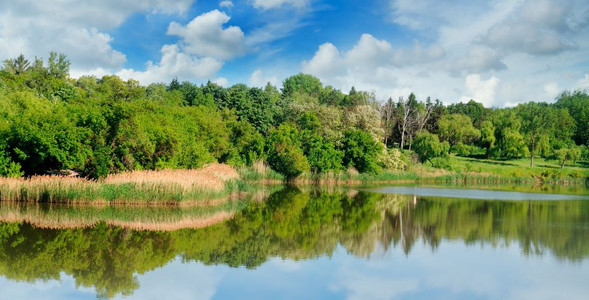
point(441, 163)
point(361, 151)
point(392, 159)
point(428, 146)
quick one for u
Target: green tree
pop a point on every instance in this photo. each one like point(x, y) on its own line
point(487, 136)
point(577, 104)
point(567, 154)
point(510, 142)
point(361, 151)
point(302, 83)
point(17, 65)
point(59, 65)
point(285, 154)
point(537, 125)
point(456, 129)
point(474, 110)
point(428, 146)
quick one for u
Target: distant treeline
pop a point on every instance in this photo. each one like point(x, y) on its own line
point(98, 126)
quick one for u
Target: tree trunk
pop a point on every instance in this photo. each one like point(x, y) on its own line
point(532, 159)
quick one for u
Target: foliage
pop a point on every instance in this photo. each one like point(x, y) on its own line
point(456, 129)
point(392, 159)
point(564, 155)
point(361, 151)
point(302, 83)
point(428, 146)
point(99, 126)
point(577, 104)
point(8, 168)
point(488, 136)
point(284, 151)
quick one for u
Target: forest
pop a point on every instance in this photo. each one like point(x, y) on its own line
point(99, 126)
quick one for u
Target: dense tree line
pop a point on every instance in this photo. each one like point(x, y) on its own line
point(97, 126)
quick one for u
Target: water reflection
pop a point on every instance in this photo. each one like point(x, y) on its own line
point(291, 224)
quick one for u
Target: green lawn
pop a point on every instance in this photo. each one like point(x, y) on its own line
point(519, 167)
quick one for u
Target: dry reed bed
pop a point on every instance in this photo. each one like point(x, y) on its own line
point(167, 187)
point(64, 223)
point(211, 177)
point(61, 216)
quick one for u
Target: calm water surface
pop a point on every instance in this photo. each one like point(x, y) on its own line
point(387, 243)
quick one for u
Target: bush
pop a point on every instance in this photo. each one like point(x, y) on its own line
point(428, 146)
point(285, 155)
point(288, 161)
point(8, 168)
point(323, 156)
point(462, 150)
point(392, 159)
point(441, 163)
point(361, 151)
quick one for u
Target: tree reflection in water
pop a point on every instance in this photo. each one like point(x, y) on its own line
point(290, 224)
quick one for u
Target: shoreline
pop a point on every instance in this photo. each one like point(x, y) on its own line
point(162, 188)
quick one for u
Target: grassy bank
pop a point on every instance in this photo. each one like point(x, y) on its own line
point(458, 171)
point(168, 187)
point(217, 183)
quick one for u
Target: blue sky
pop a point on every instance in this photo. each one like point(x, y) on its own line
point(499, 52)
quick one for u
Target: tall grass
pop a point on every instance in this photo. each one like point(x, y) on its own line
point(169, 187)
point(61, 216)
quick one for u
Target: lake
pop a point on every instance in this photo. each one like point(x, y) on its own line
point(393, 242)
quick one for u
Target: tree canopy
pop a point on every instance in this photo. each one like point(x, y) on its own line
point(98, 126)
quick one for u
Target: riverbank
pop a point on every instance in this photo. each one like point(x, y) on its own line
point(219, 183)
point(208, 186)
point(459, 170)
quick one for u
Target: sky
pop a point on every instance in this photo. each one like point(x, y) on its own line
point(499, 52)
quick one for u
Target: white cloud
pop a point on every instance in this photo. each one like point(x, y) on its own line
point(369, 52)
point(481, 90)
point(226, 4)
point(205, 36)
point(221, 81)
point(370, 65)
point(271, 4)
point(174, 63)
point(583, 83)
point(498, 52)
point(359, 286)
point(326, 63)
point(479, 59)
point(552, 89)
point(75, 28)
point(258, 79)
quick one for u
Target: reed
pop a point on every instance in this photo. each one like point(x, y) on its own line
point(168, 187)
point(59, 216)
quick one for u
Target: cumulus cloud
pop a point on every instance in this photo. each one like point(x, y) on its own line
point(478, 59)
point(226, 4)
point(174, 63)
point(258, 79)
point(463, 47)
point(552, 89)
point(481, 90)
point(536, 27)
point(326, 62)
point(371, 64)
point(76, 28)
point(205, 36)
point(583, 83)
point(271, 4)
